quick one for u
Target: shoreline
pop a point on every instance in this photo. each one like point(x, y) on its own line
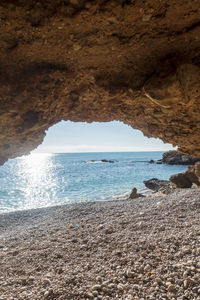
point(122, 197)
point(143, 248)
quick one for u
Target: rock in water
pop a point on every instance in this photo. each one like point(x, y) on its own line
point(151, 161)
point(108, 161)
point(173, 157)
point(159, 162)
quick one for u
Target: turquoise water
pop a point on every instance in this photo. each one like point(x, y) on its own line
point(41, 180)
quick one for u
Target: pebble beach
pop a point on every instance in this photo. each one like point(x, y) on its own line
point(145, 248)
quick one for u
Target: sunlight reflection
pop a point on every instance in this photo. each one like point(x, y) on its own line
point(36, 174)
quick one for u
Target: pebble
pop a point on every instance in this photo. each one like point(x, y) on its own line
point(120, 287)
point(46, 294)
point(131, 262)
point(96, 287)
point(90, 295)
point(172, 288)
point(46, 281)
point(187, 251)
point(98, 278)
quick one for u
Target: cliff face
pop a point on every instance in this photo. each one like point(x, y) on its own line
point(129, 60)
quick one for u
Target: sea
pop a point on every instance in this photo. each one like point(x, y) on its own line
point(43, 179)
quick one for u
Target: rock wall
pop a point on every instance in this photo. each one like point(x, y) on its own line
point(129, 60)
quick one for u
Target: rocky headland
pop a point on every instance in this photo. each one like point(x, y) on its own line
point(189, 178)
point(173, 157)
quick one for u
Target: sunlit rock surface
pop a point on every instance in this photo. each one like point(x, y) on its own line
point(133, 61)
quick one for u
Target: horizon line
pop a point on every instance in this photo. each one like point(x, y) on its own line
point(37, 152)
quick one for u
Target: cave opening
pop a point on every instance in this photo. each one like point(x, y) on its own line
point(114, 136)
point(80, 162)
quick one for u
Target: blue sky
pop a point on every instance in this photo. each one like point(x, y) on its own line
point(97, 137)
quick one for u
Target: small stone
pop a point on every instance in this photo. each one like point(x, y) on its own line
point(46, 281)
point(98, 278)
point(46, 294)
point(136, 287)
point(120, 287)
point(172, 288)
point(185, 283)
point(187, 251)
point(89, 295)
point(96, 287)
point(95, 293)
point(130, 274)
point(185, 274)
point(158, 281)
point(23, 281)
point(111, 286)
point(31, 278)
point(129, 297)
point(109, 230)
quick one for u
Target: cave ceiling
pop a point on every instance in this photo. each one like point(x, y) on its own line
point(133, 61)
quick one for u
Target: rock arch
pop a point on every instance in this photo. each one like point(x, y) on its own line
point(134, 61)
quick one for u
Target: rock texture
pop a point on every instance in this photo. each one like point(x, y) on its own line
point(188, 178)
point(133, 61)
point(156, 184)
point(175, 158)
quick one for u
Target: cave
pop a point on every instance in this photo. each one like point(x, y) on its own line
point(132, 61)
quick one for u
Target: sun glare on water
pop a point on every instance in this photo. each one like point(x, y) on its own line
point(36, 173)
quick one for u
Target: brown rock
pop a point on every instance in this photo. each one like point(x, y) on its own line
point(181, 180)
point(186, 179)
point(134, 61)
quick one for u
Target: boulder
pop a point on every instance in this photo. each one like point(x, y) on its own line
point(173, 157)
point(181, 180)
point(155, 184)
point(134, 194)
point(188, 178)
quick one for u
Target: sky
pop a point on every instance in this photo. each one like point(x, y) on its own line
point(113, 136)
